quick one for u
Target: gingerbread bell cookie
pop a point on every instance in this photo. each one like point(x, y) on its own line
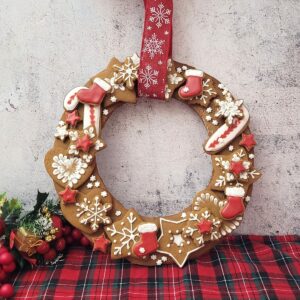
point(71, 163)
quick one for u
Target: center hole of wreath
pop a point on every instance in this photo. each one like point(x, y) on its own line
point(154, 161)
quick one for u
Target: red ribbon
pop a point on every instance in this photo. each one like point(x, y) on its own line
point(156, 48)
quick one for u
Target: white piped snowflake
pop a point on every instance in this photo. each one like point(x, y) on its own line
point(174, 79)
point(61, 131)
point(160, 15)
point(148, 76)
point(229, 109)
point(93, 213)
point(127, 235)
point(153, 46)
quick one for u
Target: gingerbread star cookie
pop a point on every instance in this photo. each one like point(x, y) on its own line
point(174, 242)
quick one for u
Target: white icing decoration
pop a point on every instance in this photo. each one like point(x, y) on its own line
point(129, 235)
point(235, 191)
point(71, 101)
point(231, 136)
point(174, 79)
point(103, 194)
point(118, 213)
point(61, 131)
point(229, 109)
point(178, 240)
point(68, 170)
point(88, 120)
point(93, 212)
point(147, 227)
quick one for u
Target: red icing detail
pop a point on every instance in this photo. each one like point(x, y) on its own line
point(101, 243)
point(192, 88)
point(154, 59)
point(84, 143)
point(236, 167)
point(235, 124)
point(68, 195)
point(248, 141)
point(94, 95)
point(92, 114)
point(233, 208)
point(72, 118)
point(146, 245)
point(71, 98)
point(205, 226)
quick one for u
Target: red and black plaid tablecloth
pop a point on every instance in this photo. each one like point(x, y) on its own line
point(241, 267)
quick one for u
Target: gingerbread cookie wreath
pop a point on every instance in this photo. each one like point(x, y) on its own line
point(85, 201)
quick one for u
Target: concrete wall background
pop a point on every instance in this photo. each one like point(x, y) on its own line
point(155, 162)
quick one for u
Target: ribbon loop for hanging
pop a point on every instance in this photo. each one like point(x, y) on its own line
point(156, 48)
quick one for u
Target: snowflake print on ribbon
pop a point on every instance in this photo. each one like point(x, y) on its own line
point(160, 15)
point(148, 76)
point(153, 46)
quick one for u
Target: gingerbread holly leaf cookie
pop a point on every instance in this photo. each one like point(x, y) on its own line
point(174, 242)
point(85, 142)
point(203, 226)
point(233, 170)
point(174, 79)
point(124, 234)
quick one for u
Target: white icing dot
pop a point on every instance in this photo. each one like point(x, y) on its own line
point(209, 110)
point(103, 194)
point(208, 118)
point(153, 257)
point(230, 148)
point(105, 112)
point(118, 213)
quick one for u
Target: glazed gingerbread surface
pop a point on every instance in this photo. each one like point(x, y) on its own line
point(86, 203)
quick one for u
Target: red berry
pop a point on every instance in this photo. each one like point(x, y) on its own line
point(3, 276)
point(69, 240)
point(6, 290)
point(6, 258)
point(2, 227)
point(59, 233)
point(60, 244)
point(67, 230)
point(43, 248)
point(84, 241)
point(57, 222)
point(50, 255)
point(76, 234)
point(9, 268)
point(3, 249)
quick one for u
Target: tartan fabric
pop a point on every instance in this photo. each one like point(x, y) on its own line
point(240, 267)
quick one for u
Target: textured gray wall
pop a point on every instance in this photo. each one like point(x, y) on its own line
point(155, 161)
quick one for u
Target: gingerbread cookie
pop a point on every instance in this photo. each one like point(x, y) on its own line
point(87, 204)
